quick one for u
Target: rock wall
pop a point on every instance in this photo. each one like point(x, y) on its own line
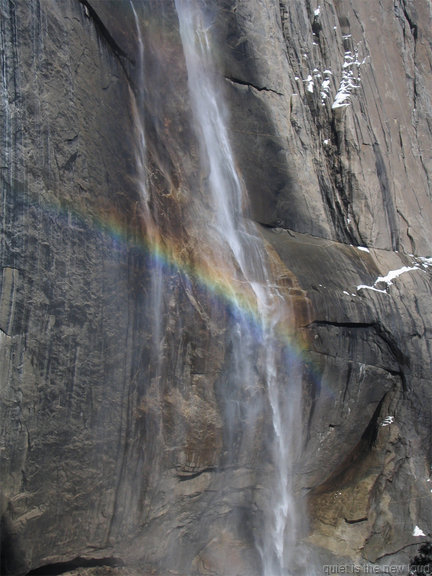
point(69, 296)
point(105, 459)
point(341, 93)
point(340, 156)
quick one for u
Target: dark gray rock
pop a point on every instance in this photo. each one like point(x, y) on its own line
point(369, 419)
point(119, 455)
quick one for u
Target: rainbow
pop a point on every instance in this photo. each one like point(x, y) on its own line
point(217, 281)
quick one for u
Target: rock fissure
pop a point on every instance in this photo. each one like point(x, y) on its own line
point(107, 36)
point(4, 333)
point(356, 520)
point(250, 85)
point(413, 26)
point(344, 324)
point(58, 568)
point(392, 553)
point(185, 474)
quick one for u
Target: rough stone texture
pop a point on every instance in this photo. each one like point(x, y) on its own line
point(68, 289)
point(367, 459)
point(344, 174)
point(113, 454)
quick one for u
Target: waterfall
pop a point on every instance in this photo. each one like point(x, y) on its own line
point(225, 185)
point(137, 104)
point(277, 537)
point(261, 358)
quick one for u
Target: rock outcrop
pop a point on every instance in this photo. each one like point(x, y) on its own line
point(115, 456)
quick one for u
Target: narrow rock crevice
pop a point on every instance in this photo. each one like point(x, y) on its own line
point(411, 23)
point(5, 334)
point(250, 85)
point(184, 474)
point(392, 553)
point(103, 31)
point(381, 332)
point(390, 340)
point(343, 324)
point(357, 520)
point(408, 228)
point(61, 567)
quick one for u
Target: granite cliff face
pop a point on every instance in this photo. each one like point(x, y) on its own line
point(123, 441)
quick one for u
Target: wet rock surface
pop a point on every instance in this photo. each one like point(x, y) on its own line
point(104, 457)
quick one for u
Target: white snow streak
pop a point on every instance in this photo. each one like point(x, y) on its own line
point(350, 80)
point(394, 274)
point(425, 262)
point(315, 79)
point(388, 279)
point(418, 532)
point(360, 286)
point(310, 84)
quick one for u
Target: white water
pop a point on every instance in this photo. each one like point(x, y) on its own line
point(235, 239)
point(155, 303)
point(225, 185)
point(137, 108)
point(276, 537)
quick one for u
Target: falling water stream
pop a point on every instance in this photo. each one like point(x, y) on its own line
point(238, 247)
point(277, 540)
